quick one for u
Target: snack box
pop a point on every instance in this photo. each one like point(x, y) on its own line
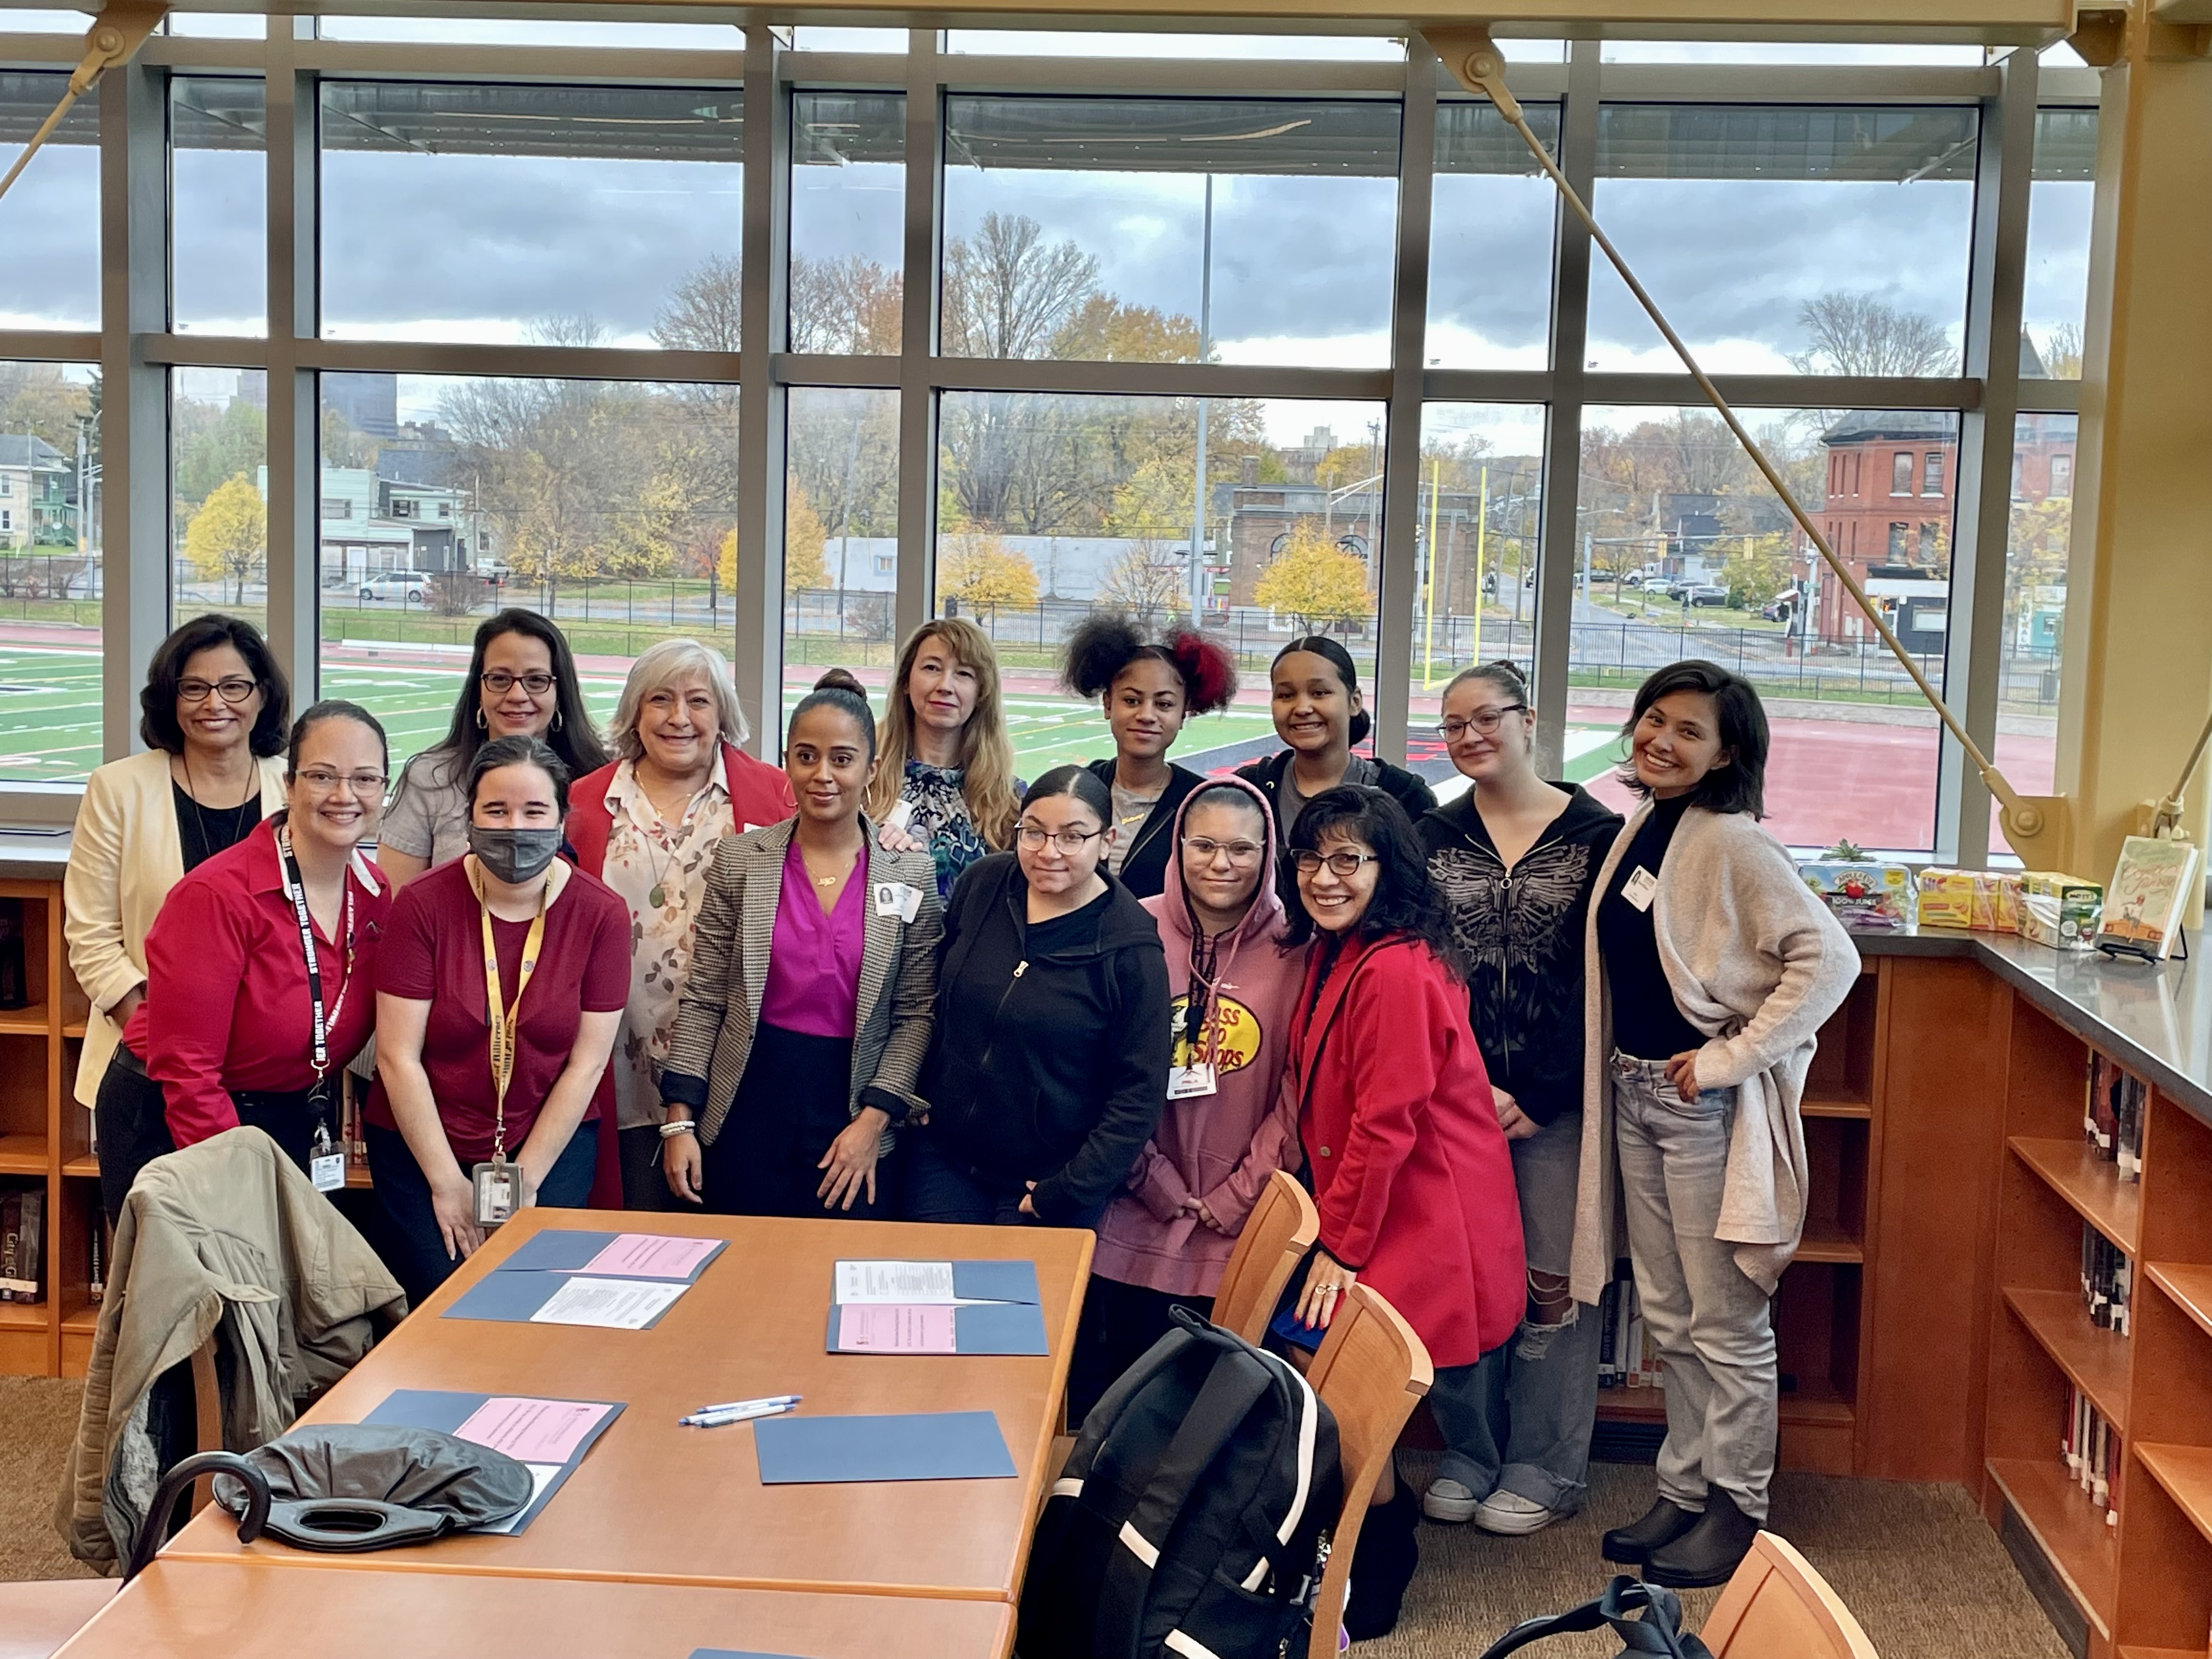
point(2061, 911)
point(1947, 898)
point(1868, 898)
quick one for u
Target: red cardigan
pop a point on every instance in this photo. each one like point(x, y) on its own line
point(1411, 1172)
point(759, 793)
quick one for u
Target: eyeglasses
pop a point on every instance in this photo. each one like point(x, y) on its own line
point(499, 682)
point(1484, 720)
point(1068, 840)
point(1240, 852)
point(233, 690)
point(1343, 866)
point(323, 781)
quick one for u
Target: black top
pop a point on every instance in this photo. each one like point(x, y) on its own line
point(1645, 1021)
point(1269, 773)
point(204, 831)
point(1049, 1059)
point(1144, 866)
point(1521, 930)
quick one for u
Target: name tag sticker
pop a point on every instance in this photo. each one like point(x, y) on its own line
point(896, 898)
point(1640, 888)
point(1185, 1081)
point(328, 1173)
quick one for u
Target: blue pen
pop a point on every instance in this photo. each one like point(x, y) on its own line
point(742, 1414)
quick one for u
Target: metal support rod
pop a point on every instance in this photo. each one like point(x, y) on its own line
point(1479, 66)
point(121, 29)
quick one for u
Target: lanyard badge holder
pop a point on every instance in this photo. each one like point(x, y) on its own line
point(497, 1183)
point(325, 1163)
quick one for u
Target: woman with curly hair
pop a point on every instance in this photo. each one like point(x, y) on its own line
point(1149, 690)
point(947, 777)
point(1409, 1165)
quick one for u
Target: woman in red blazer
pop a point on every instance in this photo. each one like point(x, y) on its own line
point(1410, 1169)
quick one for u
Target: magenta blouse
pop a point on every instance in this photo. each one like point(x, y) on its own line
point(814, 960)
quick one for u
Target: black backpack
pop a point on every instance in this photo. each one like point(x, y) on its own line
point(1192, 1514)
point(1659, 1631)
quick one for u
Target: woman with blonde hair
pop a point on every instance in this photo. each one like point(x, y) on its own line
point(947, 776)
point(647, 824)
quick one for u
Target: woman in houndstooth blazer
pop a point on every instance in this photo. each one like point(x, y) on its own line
point(806, 1014)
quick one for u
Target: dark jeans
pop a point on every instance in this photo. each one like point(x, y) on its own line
point(131, 1118)
point(644, 1186)
point(418, 1258)
point(944, 1187)
point(1119, 1324)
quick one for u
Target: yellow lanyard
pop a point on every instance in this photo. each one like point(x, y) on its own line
point(504, 1016)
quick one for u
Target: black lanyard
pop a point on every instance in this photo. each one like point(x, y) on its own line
point(296, 890)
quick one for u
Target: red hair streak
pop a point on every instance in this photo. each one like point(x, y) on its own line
point(1207, 669)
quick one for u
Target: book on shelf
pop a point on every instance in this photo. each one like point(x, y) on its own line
point(2113, 1117)
point(2106, 1276)
point(1627, 1356)
point(22, 1244)
point(96, 1262)
point(2090, 1448)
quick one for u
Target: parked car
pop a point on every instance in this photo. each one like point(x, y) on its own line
point(1705, 593)
point(1781, 609)
point(411, 586)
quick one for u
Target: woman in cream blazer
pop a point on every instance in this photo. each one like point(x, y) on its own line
point(127, 851)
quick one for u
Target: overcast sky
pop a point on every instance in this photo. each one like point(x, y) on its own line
point(477, 248)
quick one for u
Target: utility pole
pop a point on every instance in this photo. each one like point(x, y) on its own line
point(1199, 583)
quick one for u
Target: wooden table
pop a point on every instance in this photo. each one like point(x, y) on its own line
point(243, 1610)
point(653, 1501)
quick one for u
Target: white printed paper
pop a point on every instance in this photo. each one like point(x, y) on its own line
point(894, 1281)
point(618, 1304)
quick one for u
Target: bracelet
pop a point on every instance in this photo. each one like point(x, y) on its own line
point(682, 1126)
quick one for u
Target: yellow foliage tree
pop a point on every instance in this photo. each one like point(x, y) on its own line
point(1313, 581)
point(227, 539)
point(981, 570)
point(804, 540)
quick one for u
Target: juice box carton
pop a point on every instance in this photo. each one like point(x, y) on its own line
point(2059, 910)
point(1867, 898)
point(1947, 898)
point(1997, 900)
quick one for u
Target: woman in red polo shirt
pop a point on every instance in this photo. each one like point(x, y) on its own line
point(234, 1028)
point(500, 990)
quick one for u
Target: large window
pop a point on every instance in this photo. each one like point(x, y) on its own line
point(847, 200)
point(2037, 543)
point(840, 535)
point(2058, 241)
point(218, 491)
point(1490, 240)
point(50, 586)
point(1822, 240)
point(562, 216)
point(50, 219)
point(219, 178)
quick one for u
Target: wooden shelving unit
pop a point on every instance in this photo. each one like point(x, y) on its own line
point(1819, 1308)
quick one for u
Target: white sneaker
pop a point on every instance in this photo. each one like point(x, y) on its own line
point(1509, 1513)
point(1450, 1500)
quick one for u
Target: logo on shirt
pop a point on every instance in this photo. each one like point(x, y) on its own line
point(1235, 1035)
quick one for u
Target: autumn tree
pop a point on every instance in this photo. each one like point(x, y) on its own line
point(1757, 572)
point(215, 442)
point(1008, 292)
point(2061, 351)
point(1148, 581)
point(1858, 334)
point(849, 305)
point(804, 541)
point(2036, 550)
point(227, 539)
point(1313, 581)
point(981, 571)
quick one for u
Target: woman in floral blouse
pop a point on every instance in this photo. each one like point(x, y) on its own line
point(646, 825)
point(947, 776)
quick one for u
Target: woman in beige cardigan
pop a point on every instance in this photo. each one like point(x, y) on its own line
point(216, 713)
point(1711, 968)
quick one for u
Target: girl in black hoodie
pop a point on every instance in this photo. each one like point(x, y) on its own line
point(1514, 858)
point(1048, 1065)
point(1149, 691)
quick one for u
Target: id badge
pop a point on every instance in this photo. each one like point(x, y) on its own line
point(1640, 888)
point(325, 1167)
point(1185, 1081)
point(499, 1191)
point(897, 899)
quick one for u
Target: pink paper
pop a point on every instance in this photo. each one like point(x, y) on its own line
point(532, 1431)
point(894, 1328)
point(651, 1255)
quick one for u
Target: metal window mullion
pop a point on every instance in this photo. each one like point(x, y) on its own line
point(1974, 639)
point(1401, 448)
point(765, 322)
point(918, 322)
point(134, 417)
point(294, 526)
point(1570, 271)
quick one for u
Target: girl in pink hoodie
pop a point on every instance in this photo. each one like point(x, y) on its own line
point(1226, 1126)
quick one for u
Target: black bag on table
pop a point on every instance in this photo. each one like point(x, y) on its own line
point(1193, 1515)
point(1658, 1632)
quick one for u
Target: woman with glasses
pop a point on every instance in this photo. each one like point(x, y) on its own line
point(498, 995)
point(647, 824)
point(1048, 1064)
point(806, 1014)
point(1409, 1167)
point(1515, 861)
point(521, 683)
point(214, 712)
point(1149, 691)
point(1319, 714)
point(947, 779)
point(258, 986)
point(1227, 1125)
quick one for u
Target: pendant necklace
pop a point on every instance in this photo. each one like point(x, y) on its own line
point(656, 896)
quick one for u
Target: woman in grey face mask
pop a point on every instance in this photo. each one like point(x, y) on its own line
point(500, 990)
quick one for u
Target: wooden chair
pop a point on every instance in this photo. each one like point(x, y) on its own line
point(1779, 1606)
point(1370, 1371)
point(1277, 1235)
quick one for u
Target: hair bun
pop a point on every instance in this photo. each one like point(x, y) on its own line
point(840, 679)
point(1209, 672)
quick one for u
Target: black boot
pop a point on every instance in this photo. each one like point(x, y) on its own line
point(1661, 1524)
point(1383, 1565)
point(1708, 1553)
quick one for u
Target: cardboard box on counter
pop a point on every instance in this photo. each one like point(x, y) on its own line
point(1987, 900)
point(2059, 910)
point(1867, 897)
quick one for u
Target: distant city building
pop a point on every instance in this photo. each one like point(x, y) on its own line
point(369, 403)
point(37, 491)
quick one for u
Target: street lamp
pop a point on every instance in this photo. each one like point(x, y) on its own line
point(1198, 582)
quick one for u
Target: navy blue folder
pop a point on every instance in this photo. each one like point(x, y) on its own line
point(914, 1446)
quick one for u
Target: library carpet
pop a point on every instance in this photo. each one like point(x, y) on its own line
point(1916, 1563)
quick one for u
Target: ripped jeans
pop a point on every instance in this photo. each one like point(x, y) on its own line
point(1520, 1418)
